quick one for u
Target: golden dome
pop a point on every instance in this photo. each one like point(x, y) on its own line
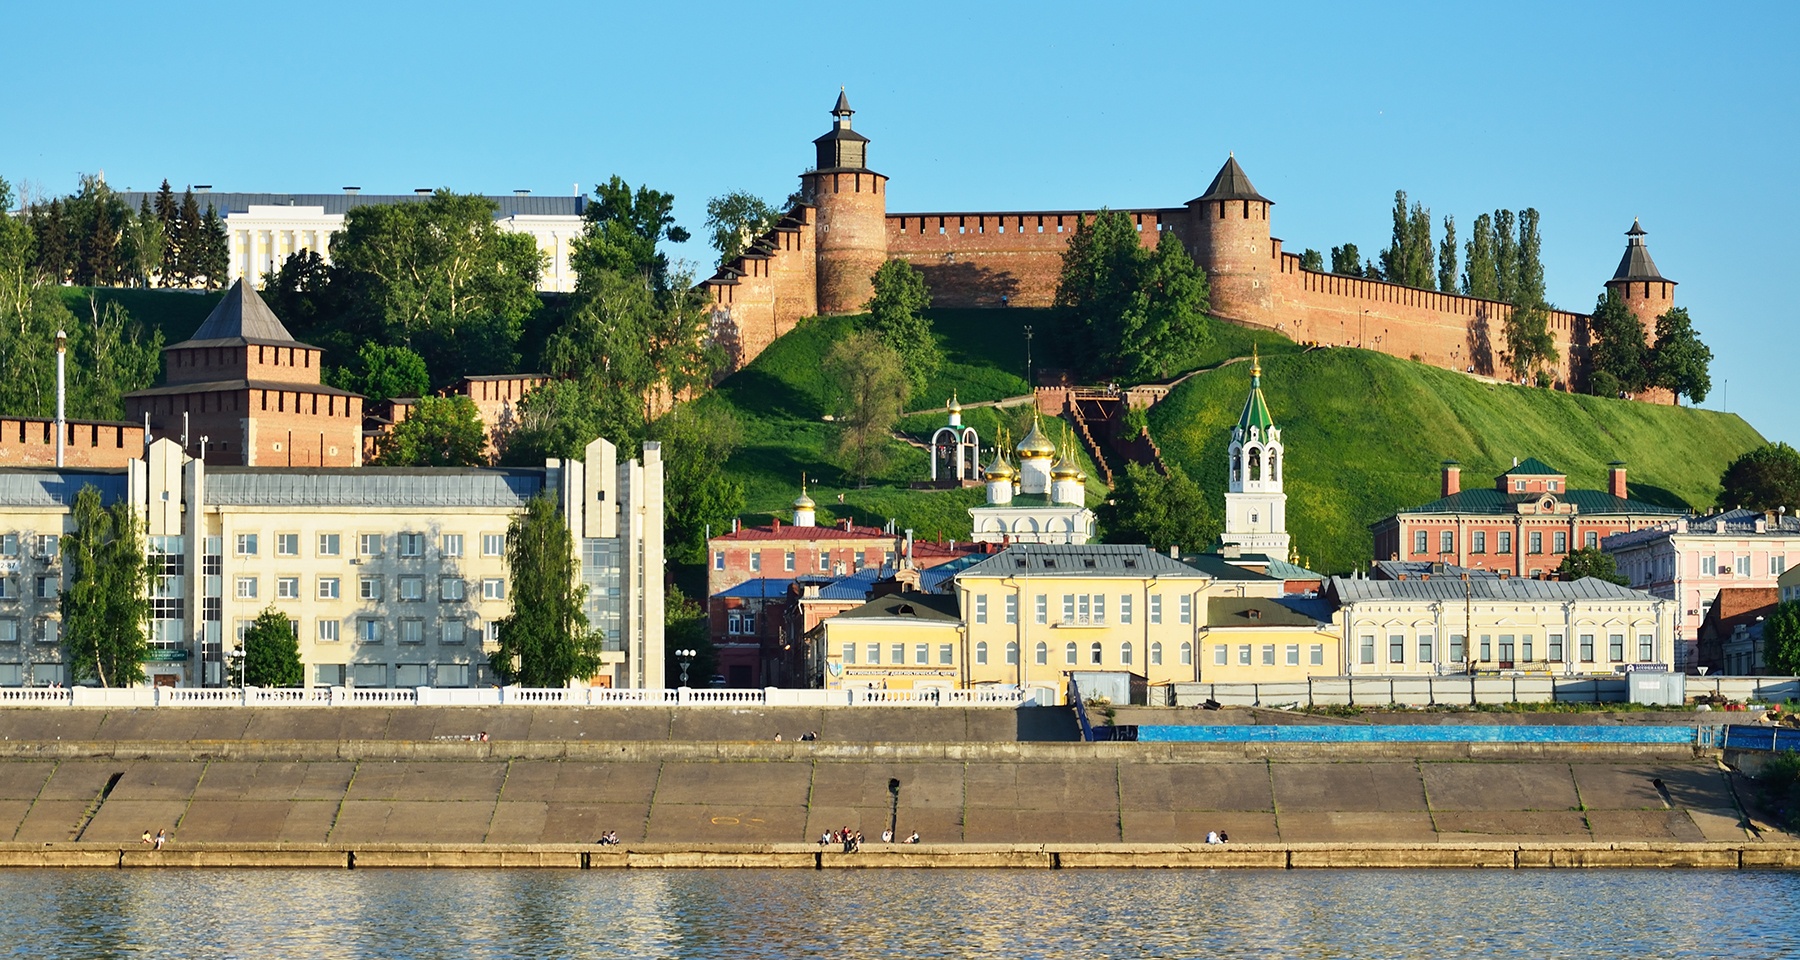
point(999, 469)
point(1065, 469)
point(1035, 446)
point(955, 405)
point(804, 502)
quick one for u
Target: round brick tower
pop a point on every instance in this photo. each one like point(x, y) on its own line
point(850, 203)
point(1230, 228)
point(1646, 292)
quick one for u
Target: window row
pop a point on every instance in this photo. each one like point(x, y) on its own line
point(402, 674)
point(791, 561)
point(406, 545)
point(871, 654)
point(1725, 566)
point(405, 630)
point(450, 589)
point(1504, 648)
point(1503, 542)
point(1250, 655)
point(41, 630)
point(46, 587)
point(1085, 609)
point(46, 546)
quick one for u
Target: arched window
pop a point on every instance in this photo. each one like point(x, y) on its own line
point(1043, 654)
point(1237, 466)
point(1187, 654)
point(1156, 654)
point(1255, 464)
point(1012, 652)
point(981, 652)
point(1069, 653)
point(1274, 465)
point(1125, 653)
point(1094, 655)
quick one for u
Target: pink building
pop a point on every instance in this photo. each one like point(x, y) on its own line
point(1690, 559)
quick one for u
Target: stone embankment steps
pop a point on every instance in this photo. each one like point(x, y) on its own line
point(1724, 856)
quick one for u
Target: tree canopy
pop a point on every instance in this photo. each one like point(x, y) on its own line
point(1679, 361)
point(869, 388)
point(1410, 259)
point(545, 641)
point(437, 432)
point(1619, 361)
point(1128, 311)
point(1591, 562)
point(1162, 512)
point(104, 610)
point(697, 440)
point(736, 219)
point(897, 315)
point(1781, 640)
point(271, 653)
point(1766, 478)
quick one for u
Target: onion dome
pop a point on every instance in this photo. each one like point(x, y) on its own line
point(999, 469)
point(955, 405)
point(804, 502)
point(1065, 469)
point(1035, 446)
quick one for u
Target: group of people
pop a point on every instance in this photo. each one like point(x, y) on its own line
point(852, 840)
point(156, 842)
point(608, 839)
point(1217, 836)
point(807, 737)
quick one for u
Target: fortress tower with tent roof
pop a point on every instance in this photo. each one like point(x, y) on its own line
point(818, 259)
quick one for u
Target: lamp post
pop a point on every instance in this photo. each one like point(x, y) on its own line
point(686, 657)
point(1028, 381)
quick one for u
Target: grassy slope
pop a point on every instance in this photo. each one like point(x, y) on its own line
point(177, 313)
point(1365, 433)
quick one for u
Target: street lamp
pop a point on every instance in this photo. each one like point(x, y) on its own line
point(1028, 381)
point(686, 657)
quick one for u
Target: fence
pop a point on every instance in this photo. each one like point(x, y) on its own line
point(1743, 737)
point(1461, 691)
point(1422, 733)
point(498, 696)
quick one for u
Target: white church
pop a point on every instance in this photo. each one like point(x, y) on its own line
point(1042, 500)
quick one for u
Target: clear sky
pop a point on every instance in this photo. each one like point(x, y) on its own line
point(1681, 114)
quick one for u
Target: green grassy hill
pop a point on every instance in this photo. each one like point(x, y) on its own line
point(1365, 433)
point(177, 313)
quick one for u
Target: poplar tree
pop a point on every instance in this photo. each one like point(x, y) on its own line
point(1529, 277)
point(1446, 268)
point(1346, 260)
point(546, 640)
point(1409, 259)
point(1478, 269)
point(104, 610)
point(1506, 258)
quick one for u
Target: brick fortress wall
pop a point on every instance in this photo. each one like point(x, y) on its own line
point(31, 442)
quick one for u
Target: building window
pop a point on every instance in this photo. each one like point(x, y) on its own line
point(1187, 609)
point(946, 654)
point(787, 561)
point(980, 652)
point(1554, 642)
point(493, 588)
point(1243, 654)
point(1187, 654)
point(1068, 608)
point(1012, 608)
point(48, 545)
point(718, 559)
point(494, 545)
point(328, 631)
point(1125, 607)
point(1456, 648)
point(1447, 542)
point(1777, 565)
point(7, 590)
point(287, 544)
point(412, 588)
point(1587, 648)
point(246, 544)
point(412, 545)
point(9, 545)
point(1396, 648)
point(1268, 654)
point(1221, 655)
point(450, 589)
point(849, 653)
point(1487, 647)
point(329, 544)
point(1525, 647)
point(1125, 653)
point(48, 631)
point(1590, 540)
point(1506, 647)
point(1478, 542)
point(368, 588)
point(1421, 539)
point(287, 588)
point(1293, 654)
point(756, 561)
point(1156, 608)
point(1095, 656)
point(328, 588)
point(1743, 566)
point(1316, 655)
point(1012, 653)
point(1156, 653)
point(1518, 486)
point(412, 631)
point(1043, 654)
point(368, 630)
point(9, 631)
point(1537, 541)
point(1559, 542)
point(1099, 608)
point(1503, 541)
point(1709, 566)
point(1615, 647)
point(824, 561)
point(1425, 647)
point(1646, 648)
point(369, 544)
point(981, 608)
point(1042, 613)
point(46, 587)
point(1069, 654)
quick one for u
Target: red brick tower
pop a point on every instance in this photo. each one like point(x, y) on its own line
point(1646, 292)
point(1230, 230)
point(851, 205)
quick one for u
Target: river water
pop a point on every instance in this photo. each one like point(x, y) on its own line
point(899, 913)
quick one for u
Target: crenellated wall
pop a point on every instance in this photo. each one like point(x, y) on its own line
point(31, 442)
point(976, 259)
point(767, 290)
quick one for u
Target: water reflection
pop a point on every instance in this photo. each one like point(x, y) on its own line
point(886, 913)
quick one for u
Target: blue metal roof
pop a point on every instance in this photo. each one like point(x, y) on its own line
point(758, 588)
point(56, 488)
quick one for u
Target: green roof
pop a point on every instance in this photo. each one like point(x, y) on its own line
point(1256, 409)
point(1253, 612)
point(937, 608)
point(1532, 467)
point(1488, 501)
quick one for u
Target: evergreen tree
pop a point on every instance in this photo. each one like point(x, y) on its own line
point(1506, 257)
point(1311, 260)
point(897, 315)
point(56, 252)
point(105, 610)
point(96, 219)
point(437, 432)
point(168, 217)
point(1619, 361)
point(1478, 256)
point(1679, 362)
point(1446, 268)
point(213, 261)
point(545, 641)
point(271, 652)
point(1346, 260)
point(187, 241)
point(141, 247)
point(1766, 478)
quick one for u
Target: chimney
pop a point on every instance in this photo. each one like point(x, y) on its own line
point(1452, 478)
point(521, 193)
point(1615, 479)
point(352, 191)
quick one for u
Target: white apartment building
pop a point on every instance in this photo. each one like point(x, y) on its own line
point(266, 228)
point(1689, 559)
point(390, 577)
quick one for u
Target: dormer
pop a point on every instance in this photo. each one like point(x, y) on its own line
point(1530, 477)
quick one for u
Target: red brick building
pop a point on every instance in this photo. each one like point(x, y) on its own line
point(242, 391)
point(1523, 526)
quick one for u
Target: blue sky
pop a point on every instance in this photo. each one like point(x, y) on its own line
point(1681, 114)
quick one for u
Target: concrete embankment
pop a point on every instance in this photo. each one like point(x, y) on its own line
point(1744, 856)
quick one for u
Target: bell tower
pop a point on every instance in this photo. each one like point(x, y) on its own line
point(850, 202)
point(1255, 504)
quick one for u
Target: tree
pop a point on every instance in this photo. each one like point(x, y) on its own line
point(684, 628)
point(1766, 478)
point(1161, 511)
point(1128, 311)
point(1478, 261)
point(168, 217)
point(437, 432)
point(271, 652)
point(1781, 640)
point(141, 248)
point(105, 610)
point(1409, 259)
point(1591, 562)
point(326, 306)
point(1506, 257)
point(696, 442)
point(1528, 276)
point(623, 229)
point(735, 220)
point(897, 315)
point(559, 419)
point(1679, 362)
point(187, 240)
point(1529, 343)
point(1446, 271)
point(869, 381)
point(1346, 260)
point(213, 258)
point(1619, 361)
point(56, 252)
point(1165, 328)
point(545, 641)
point(1311, 260)
point(383, 373)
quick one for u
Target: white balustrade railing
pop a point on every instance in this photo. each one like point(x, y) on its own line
point(498, 696)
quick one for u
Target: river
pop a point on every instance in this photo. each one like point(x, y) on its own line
point(267, 914)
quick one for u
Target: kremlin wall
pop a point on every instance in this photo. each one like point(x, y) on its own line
point(819, 258)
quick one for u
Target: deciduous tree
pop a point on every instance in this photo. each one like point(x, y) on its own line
point(869, 382)
point(897, 315)
point(271, 652)
point(1781, 640)
point(1160, 511)
point(1346, 260)
point(1591, 562)
point(697, 439)
point(1766, 478)
point(1478, 261)
point(437, 432)
point(1310, 259)
point(735, 220)
point(1680, 362)
point(383, 373)
point(1619, 361)
point(104, 610)
point(545, 641)
point(1127, 311)
point(1446, 270)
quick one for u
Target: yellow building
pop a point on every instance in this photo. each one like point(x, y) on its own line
point(1263, 640)
point(903, 641)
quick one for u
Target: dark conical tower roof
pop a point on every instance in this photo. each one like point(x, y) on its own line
point(843, 105)
point(242, 317)
point(1636, 263)
point(1232, 183)
point(842, 148)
